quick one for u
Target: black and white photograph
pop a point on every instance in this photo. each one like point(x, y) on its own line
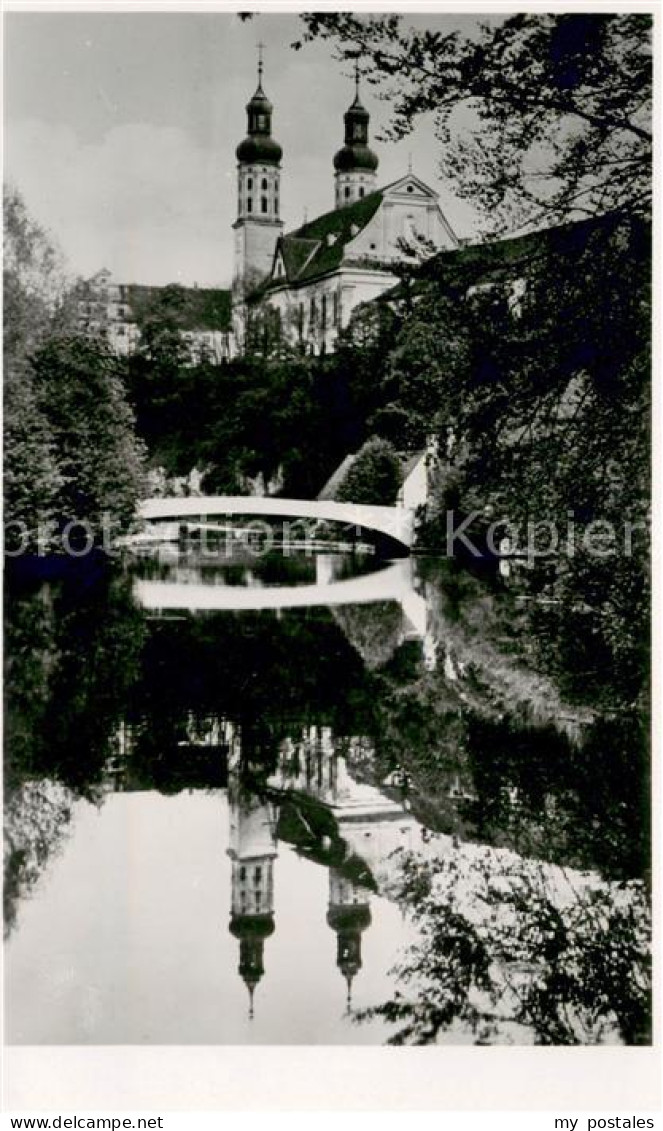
point(327, 489)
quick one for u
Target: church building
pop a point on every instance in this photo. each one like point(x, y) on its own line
point(315, 276)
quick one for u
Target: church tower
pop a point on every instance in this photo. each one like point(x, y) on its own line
point(355, 163)
point(258, 226)
point(349, 915)
point(252, 852)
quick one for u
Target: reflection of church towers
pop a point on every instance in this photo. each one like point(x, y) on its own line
point(311, 765)
point(348, 915)
point(252, 851)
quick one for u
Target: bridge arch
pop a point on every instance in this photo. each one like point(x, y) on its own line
point(393, 522)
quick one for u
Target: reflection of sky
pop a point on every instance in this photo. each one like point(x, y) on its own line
point(126, 939)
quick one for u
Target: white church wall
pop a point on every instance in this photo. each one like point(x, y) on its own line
point(316, 312)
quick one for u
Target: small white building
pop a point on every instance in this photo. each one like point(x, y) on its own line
point(413, 491)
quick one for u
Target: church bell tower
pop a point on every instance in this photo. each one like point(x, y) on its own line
point(252, 850)
point(348, 915)
point(355, 164)
point(258, 224)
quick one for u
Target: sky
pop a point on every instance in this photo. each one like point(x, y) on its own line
point(121, 129)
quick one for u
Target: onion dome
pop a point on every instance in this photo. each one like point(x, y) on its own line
point(349, 921)
point(252, 926)
point(355, 157)
point(251, 930)
point(356, 154)
point(259, 145)
point(263, 149)
point(351, 917)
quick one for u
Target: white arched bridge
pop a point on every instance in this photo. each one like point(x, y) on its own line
point(393, 522)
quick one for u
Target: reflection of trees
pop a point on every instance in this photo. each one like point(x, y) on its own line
point(76, 643)
point(486, 637)
point(494, 754)
point(375, 631)
point(581, 803)
point(511, 951)
point(262, 670)
point(72, 648)
point(36, 820)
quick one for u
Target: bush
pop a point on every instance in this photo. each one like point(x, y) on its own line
point(375, 475)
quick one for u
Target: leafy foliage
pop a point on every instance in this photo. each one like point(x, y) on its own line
point(374, 476)
point(546, 429)
point(540, 116)
point(71, 452)
point(79, 387)
point(516, 952)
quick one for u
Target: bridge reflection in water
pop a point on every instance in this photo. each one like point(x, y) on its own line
point(395, 582)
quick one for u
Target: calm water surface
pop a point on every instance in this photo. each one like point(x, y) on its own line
point(250, 802)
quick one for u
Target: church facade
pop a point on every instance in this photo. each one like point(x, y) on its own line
point(314, 277)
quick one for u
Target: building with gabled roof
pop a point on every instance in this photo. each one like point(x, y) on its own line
point(314, 277)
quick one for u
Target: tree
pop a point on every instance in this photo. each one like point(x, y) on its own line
point(79, 389)
point(32, 477)
point(35, 283)
point(71, 450)
point(419, 396)
point(550, 426)
point(374, 476)
point(540, 117)
point(34, 305)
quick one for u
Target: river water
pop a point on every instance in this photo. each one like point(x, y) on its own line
point(311, 800)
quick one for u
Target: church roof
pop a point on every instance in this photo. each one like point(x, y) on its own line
point(336, 478)
point(319, 246)
point(503, 259)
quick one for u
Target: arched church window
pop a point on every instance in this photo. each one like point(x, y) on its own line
point(265, 186)
point(262, 121)
point(358, 131)
point(362, 190)
point(346, 191)
point(263, 204)
point(249, 183)
point(249, 205)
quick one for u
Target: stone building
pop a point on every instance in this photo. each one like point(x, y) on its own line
point(120, 312)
